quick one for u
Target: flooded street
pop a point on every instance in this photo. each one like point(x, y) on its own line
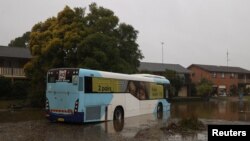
point(31, 125)
point(214, 109)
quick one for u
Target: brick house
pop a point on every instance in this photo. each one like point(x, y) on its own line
point(160, 69)
point(223, 77)
point(12, 61)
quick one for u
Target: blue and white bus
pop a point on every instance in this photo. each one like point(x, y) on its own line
point(84, 95)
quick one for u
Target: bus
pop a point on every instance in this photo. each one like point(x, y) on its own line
point(85, 95)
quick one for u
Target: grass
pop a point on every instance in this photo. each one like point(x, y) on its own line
point(4, 104)
point(247, 98)
point(185, 126)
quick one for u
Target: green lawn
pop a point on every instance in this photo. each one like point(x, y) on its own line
point(247, 98)
point(4, 104)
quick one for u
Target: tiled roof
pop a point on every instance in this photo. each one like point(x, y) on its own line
point(14, 52)
point(213, 68)
point(159, 67)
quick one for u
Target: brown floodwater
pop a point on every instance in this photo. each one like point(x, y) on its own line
point(213, 109)
point(31, 125)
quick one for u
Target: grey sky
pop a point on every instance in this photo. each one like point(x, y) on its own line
point(193, 31)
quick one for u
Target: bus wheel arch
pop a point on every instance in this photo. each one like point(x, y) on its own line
point(118, 113)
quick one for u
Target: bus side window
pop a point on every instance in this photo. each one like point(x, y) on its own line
point(80, 85)
point(166, 91)
point(88, 84)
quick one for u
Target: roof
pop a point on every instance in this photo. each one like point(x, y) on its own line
point(14, 52)
point(213, 68)
point(159, 67)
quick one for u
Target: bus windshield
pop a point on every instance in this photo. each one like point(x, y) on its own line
point(63, 75)
point(64, 80)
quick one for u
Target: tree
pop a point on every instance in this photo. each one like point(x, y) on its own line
point(20, 41)
point(204, 88)
point(75, 38)
point(233, 90)
point(175, 80)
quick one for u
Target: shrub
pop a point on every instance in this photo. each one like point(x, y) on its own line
point(20, 89)
point(5, 87)
point(204, 88)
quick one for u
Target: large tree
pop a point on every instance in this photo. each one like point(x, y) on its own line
point(176, 82)
point(75, 38)
point(20, 41)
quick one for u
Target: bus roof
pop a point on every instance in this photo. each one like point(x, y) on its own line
point(113, 75)
point(135, 77)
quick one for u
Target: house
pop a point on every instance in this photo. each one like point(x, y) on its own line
point(224, 78)
point(12, 61)
point(160, 69)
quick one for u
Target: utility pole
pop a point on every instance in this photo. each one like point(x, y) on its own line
point(227, 58)
point(227, 89)
point(162, 43)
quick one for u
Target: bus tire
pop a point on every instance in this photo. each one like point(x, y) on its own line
point(159, 111)
point(118, 120)
point(118, 114)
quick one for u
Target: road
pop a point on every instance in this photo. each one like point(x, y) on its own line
point(31, 125)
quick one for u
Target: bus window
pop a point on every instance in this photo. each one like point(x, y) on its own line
point(51, 79)
point(88, 84)
point(80, 86)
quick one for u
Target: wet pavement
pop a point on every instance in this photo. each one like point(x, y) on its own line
point(31, 125)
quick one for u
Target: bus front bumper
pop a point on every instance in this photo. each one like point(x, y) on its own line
point(76, 117)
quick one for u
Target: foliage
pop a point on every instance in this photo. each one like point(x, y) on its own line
point(233, 90)
point(15, 90)
point(192, 123)
point(20, 41)
point(185, 126)
point(193, 89)
point(75, 38)
point(204, 88)
point(175, 80)
point(20, 89)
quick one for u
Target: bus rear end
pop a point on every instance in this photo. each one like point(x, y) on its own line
point(62, 96)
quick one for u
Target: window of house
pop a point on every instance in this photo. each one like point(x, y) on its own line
point(241, 76)
point(232, 75)
point(248, 76)
point(222, 75)
point(193, 74)
point(214, 75)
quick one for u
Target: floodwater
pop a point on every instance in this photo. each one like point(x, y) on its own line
point(213, 109)
point(31, 125)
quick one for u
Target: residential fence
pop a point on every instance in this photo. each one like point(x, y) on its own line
point(12, 72)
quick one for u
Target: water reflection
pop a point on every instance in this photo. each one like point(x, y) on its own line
point(135, 128)
point(145, 127)
point(105, 131)
point(66, 132)
point(215, 109)
point(21, 115)
point(118, 125)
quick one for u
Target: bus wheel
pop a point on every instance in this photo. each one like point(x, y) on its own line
point(118, 113)
point(159, 111)
point(118, 121)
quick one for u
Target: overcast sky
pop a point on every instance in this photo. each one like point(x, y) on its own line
point(193, 31)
